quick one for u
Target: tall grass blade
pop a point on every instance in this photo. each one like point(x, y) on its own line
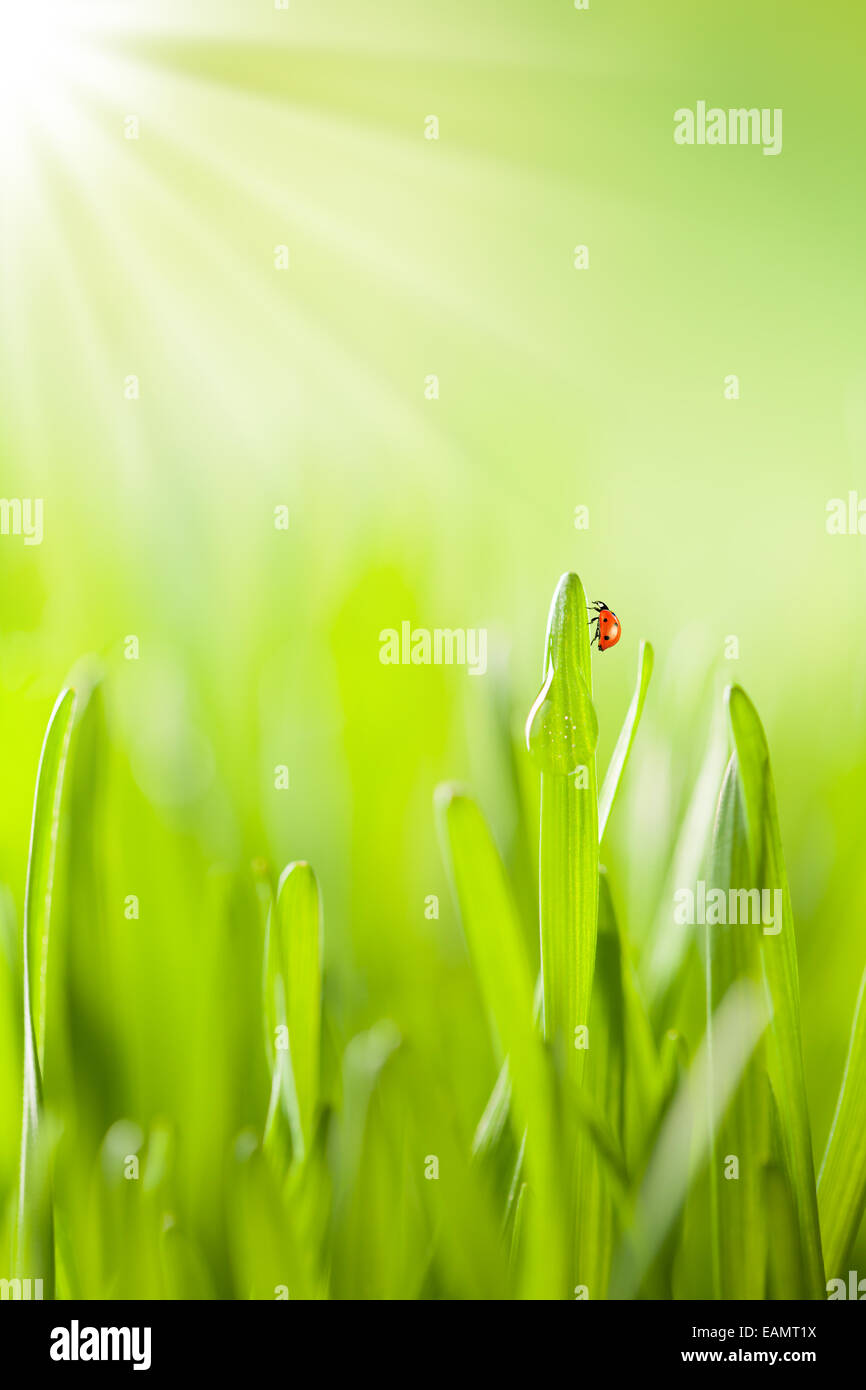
point(663, 964)
point(562, 733)
point(779, 960)
point(732, 954)
point(33, 1255)
point(294, 1002)
point(785, 1274)
point(842, 1180)
point(604, 1080)
point(613, 776)
point(682, 1146)
point(496, 945)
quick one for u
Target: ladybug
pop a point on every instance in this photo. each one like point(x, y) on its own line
point(607, 626)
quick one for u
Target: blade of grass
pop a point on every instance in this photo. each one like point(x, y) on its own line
point(494, 1121)
point(33, 1255)
point(663, 962)
point(184, 1267)
point(616, 768)
point(497, 949)
point(604, 1080)
point(681, 1149)
point(785, 1275)
point(562, 733)
point(779, 959)
point(643, 1070)
point(520, 856)
point(842, 1180)
point(605, 1074)
point(43, 851)
point(294, 994)
point(269, 1262)
point(732, 953)
point(363, 1061)
point(673, 1063)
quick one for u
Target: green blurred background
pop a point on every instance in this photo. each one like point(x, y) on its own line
point(558, 387)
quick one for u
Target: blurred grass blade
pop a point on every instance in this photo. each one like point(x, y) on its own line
point(268, 1261)
point(489, 917)
point(521, 851)
point(363, 1061)
point(779, 957)
point(604, 1081)
point(294, 1002)
point(738, 1213)
point(43, 851)
point(184, 1267)
point(33, 1256)
point(682, 1146)
point(673, 1060)
point(842, 1181)
point(616, 768)
point(561, 733)
point(644, 1082)
point(785, 1274)
point(605, 1073)
point(662, 965)
point(496, 946)
point(494, 1121)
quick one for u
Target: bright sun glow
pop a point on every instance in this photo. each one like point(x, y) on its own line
point(33, 38)
point(39, 51)
point(52, 61)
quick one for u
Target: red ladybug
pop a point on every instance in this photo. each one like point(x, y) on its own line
point(607, 626)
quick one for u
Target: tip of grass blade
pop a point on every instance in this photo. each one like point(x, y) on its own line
point(300, 867)
point(446, 796)
point(744, 715)
point(562, 727)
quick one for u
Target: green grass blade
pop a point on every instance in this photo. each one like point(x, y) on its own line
point(494, 1120)
point(613, 776)
point(268, 1262)
point(842, 1181)
point(779, 959)
point(489, 919)
point(732, 954)
point(364, 1059)
point(497, 949)
point(605, 1072)
point(604, 1081)
point(662, 965)
point(561, 733)
point(34, 1228)
point(785, 1275)
point(681, 1149)
point(43, 851)
point(521, 849)
point(184, 1267)
point(294, 1001)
